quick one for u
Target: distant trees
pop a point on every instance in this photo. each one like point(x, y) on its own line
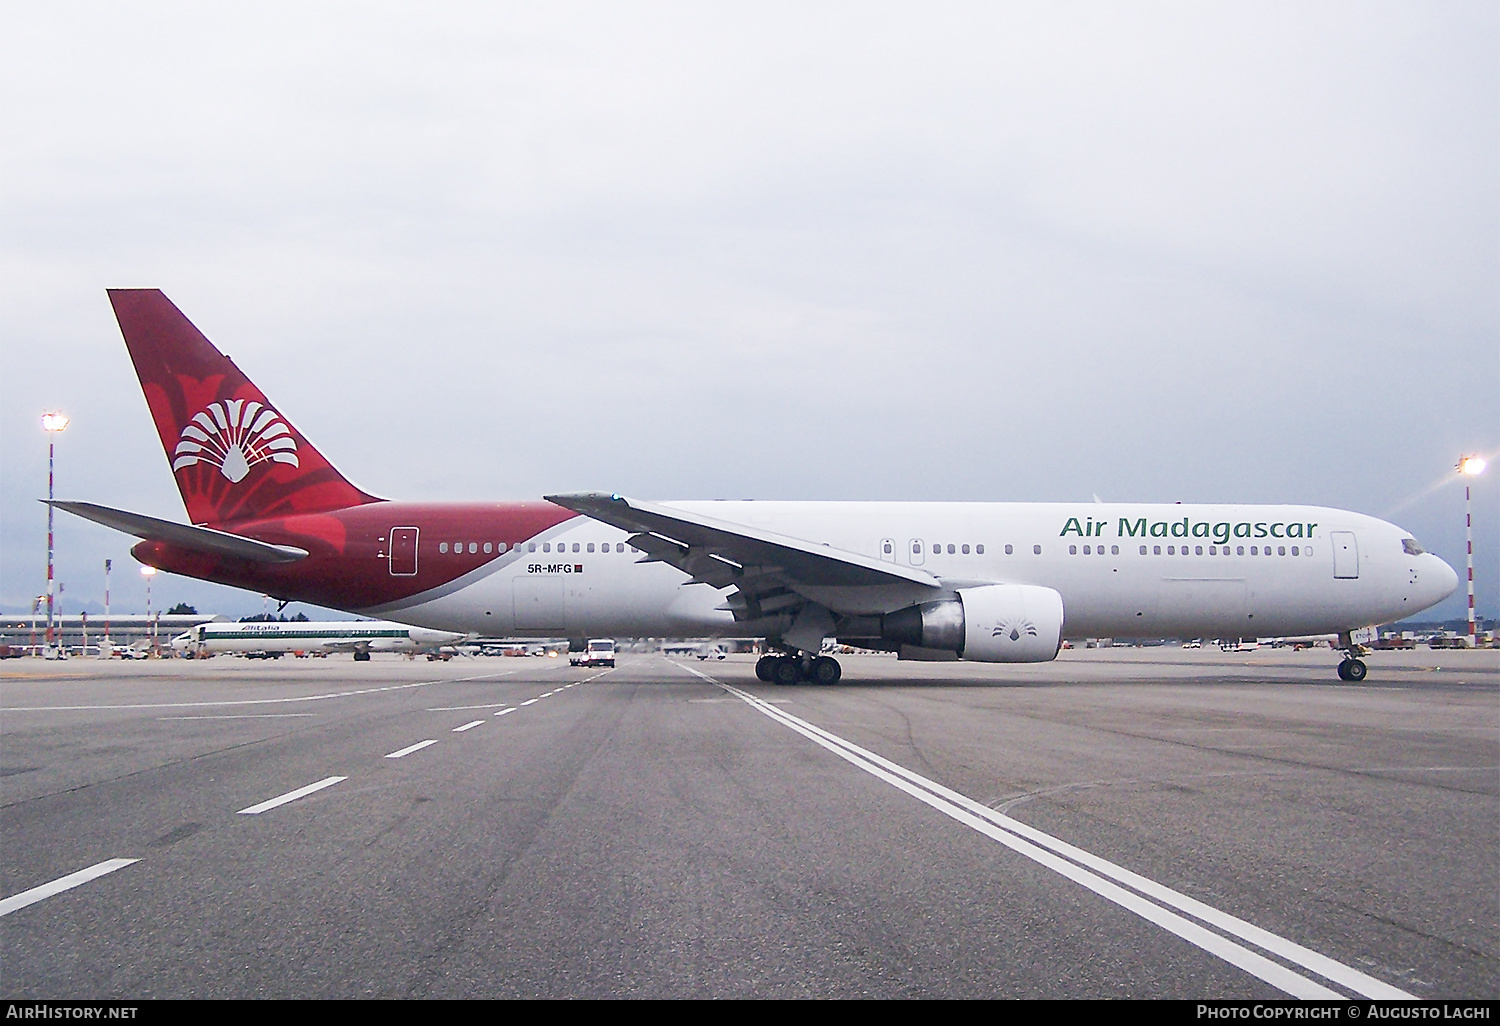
point(268, 618)
point(182, 609)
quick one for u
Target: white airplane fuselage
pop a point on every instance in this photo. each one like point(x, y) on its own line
point(1195, 577)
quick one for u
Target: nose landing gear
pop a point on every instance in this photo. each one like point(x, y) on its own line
point(1353, 668)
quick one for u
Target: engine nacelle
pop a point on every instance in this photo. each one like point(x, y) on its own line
point(996, 623)
point(1011, 623)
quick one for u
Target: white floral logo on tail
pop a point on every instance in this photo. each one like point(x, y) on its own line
point(235, 435)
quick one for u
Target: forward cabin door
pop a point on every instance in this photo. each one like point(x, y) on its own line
point(1345, 555)
point(404, 551)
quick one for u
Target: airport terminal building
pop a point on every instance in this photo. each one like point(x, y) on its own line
point(80, 632)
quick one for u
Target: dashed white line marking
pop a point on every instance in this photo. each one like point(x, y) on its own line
point(240, 716)
point(255, 701)
point(530, 701)
point(62, 883)
point(411, 748)
point(290, 796)
point(1089, 871)
point(508, 709)
point(467, 726)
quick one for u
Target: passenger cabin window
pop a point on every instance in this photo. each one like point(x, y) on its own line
point(442, 546)
point(979, 550)
point(1036, 550)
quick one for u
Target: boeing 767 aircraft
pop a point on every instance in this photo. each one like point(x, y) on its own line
point(994, 582)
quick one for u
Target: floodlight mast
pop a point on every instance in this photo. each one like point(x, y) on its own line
point(149, 572)
point(1470, 466)
point(53, 423)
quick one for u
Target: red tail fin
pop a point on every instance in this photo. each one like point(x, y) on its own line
point(233, 455)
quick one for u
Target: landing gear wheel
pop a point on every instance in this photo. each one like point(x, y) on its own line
point(788, 671)
point(1353, 670)
point(826, 670)
point(361, 657)
point(765, 668)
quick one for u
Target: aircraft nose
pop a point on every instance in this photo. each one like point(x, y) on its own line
point(1444, 578)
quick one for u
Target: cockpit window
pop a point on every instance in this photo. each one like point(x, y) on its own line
point(1411, 547)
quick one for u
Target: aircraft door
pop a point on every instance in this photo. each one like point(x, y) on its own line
point(404, 551)
point(888, 549)
point(1345, 555)
point(916, 551)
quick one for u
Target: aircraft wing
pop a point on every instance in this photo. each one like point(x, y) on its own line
point(187, 536)
point(772, 573)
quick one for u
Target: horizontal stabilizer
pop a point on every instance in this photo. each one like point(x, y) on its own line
point(185, 536)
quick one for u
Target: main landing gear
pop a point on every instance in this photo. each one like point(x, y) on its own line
point(798, 669)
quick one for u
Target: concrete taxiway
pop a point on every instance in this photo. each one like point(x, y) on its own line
point(1119, 823)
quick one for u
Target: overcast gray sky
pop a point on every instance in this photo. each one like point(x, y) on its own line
point(1033, 251)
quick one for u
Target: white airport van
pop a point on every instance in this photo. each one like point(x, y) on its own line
point(599, 652)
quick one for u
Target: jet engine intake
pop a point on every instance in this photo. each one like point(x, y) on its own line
point(996, 623)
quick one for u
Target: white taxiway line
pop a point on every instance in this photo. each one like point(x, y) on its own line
point(411, 748)
point(290, 796)
point(242, 716)
point(62, 883)
point(509, 709)
point(467, 726)
point(256, 701)
point(531, 701)
point(1090, 871)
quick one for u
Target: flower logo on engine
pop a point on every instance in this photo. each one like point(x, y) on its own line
point(1013, 631)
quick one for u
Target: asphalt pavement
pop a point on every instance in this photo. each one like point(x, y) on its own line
point(1153, 823)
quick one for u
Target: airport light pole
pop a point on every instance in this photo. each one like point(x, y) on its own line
point(106, 644)
point(149, 572)
point(1470, 466)
point(53, 423)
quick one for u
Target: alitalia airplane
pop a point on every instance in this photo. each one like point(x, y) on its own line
point(993, 582)
point(273, 637)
